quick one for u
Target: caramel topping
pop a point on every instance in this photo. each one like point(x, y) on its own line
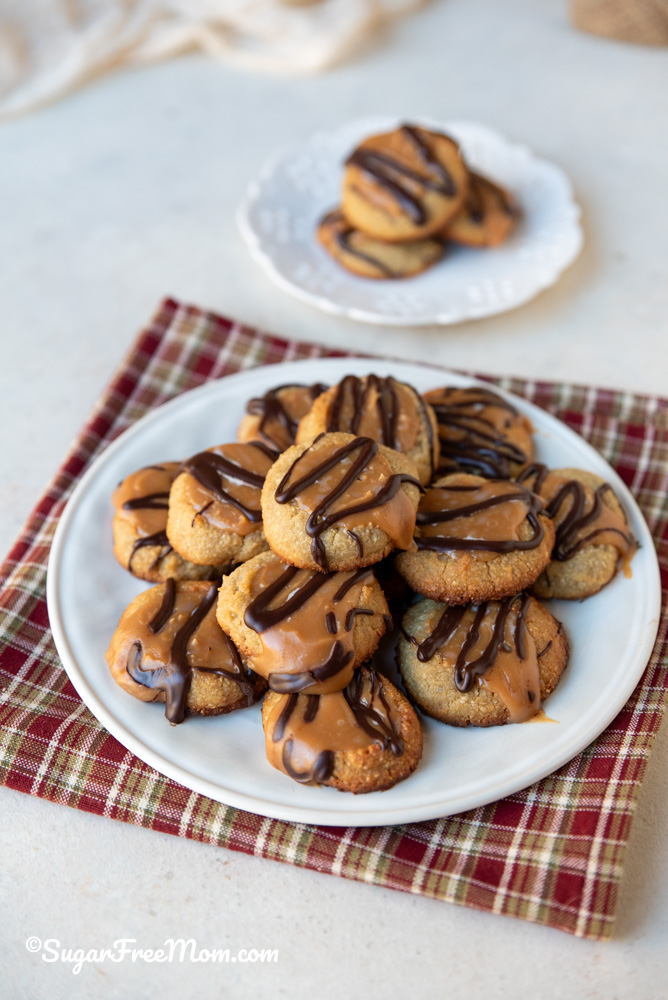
point(342, 485)
point(279, 411)
point(489, 644)
point(581, 515)
point(164, 640)
point(484, 518)
point(225, 484)
point(305, 621)
point(142, 500)
point(479, 432)
point(303, 732)
point(396, 176)
point(379, 408)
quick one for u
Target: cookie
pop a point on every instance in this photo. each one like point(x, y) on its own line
point(486, 219)
point(480, 432)
point(372, 258)
point(391, 412)
point(214, 505)
point(339, 503)
point(481, 665)
point(478, 540)
point(365, 738)
point(139, 528)
point(592, 534)
point(168, 647)
point(302, 630)
point(404, 185)
point(273, 418)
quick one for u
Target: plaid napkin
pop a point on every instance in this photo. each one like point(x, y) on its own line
point(552, 854)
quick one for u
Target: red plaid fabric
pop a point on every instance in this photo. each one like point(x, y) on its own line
point(552, 854)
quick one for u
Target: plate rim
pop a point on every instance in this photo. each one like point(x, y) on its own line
point(344, 816)
point(374, 123)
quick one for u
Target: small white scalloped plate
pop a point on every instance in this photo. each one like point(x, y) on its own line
point(611, 634)
point(300, 182)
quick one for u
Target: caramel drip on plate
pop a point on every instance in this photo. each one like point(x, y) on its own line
point(280, 410)
point(391, 174)
point(581, 517)
point(166, 645)
point(226, 484)
point(489, 644)
point(305, 731)
point(342, 486)
point(484, 517)
point(142, 500)
point(476, 428)
point(379, 408)
point(305, 620)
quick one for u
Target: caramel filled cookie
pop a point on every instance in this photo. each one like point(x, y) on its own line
point(214, 505)
point(481, 665)
point(302, 630)
point(480, 432)
point(592, 533)
point(487, 217)
point(169, 647)
point(478, 540)
point(372, 258)
point(273, 418)
point(391, 412)
point(365, 738)
point(339, 503)
point(404, 185)
point(139, 528)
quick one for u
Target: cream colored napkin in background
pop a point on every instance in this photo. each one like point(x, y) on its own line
point(50, 47)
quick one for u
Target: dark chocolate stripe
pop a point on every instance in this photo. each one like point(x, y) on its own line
point(466, 671)
point(270, 408)
point(319, 519)
point(441, 543)
point(175, 678)
point(164, 612)
point(210, 470)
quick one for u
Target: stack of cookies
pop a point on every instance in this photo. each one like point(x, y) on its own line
point(274, 557)
point(406, 194)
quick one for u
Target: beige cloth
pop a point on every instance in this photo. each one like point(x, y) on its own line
point(50, 47)
point(644, 22)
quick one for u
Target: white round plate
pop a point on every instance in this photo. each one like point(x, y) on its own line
point(611, 634)
point(301, 182)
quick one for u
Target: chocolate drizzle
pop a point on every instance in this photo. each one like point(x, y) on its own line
point(175, 677)
point(211, 470)
point(391, 174)
point(536, 471)
point(357, 390)
point(157, 538)
point(368, 718)
point(444, 542)
point(477, 445)
point(378, 725)
point(467, 670)
point(271, 410)
point(322, 518)
point(572, 497)
point(150, 501)
point(260, 617)
point(343, 235)
point(576, 520)
point(164, 612)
